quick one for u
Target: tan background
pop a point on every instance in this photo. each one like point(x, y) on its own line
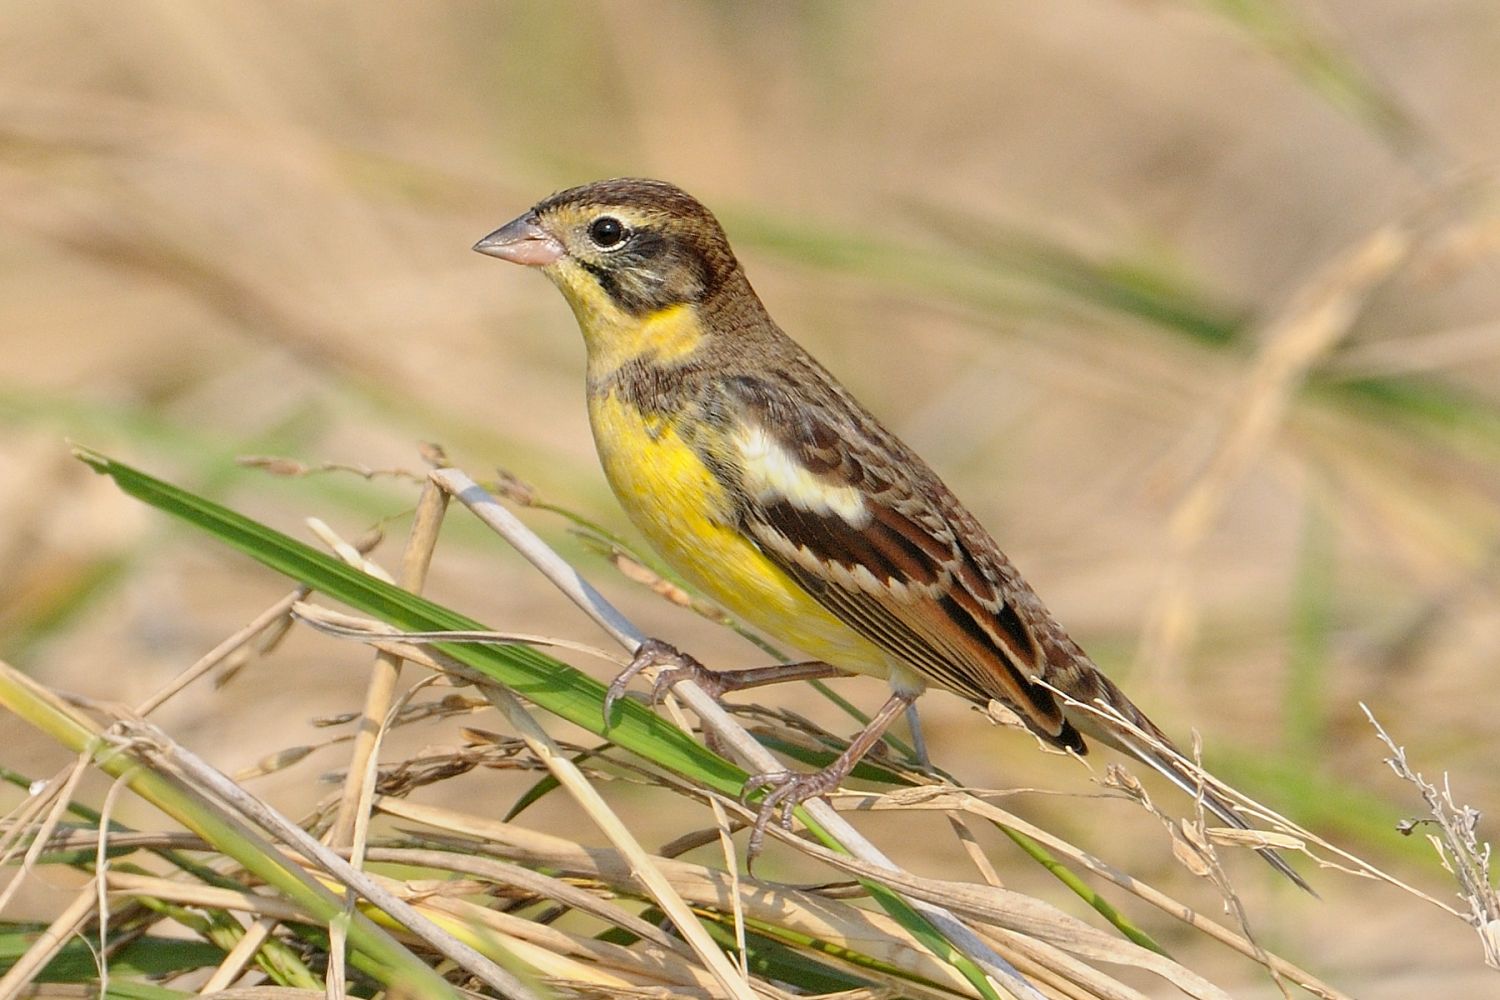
point(1045, 241)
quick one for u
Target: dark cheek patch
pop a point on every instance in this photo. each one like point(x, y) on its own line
point(651, 273)
point(648, 245)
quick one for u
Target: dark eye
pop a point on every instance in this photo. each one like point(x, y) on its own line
point(606, 231)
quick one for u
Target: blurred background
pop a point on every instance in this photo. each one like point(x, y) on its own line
point(1194, 302)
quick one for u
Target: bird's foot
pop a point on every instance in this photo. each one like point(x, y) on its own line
point(676, 666)
point(785, 791)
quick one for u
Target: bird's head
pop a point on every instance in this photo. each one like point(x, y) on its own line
point(621, 250)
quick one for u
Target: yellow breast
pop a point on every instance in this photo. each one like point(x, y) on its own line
point(682, 509)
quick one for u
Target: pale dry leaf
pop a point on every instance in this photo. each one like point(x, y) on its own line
point(1229, 836)
point(1189, 855)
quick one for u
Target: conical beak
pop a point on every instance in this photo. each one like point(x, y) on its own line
point(522, 241)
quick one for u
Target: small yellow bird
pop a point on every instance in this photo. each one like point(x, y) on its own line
point(762, 481)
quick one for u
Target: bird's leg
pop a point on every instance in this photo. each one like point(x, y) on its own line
point(721, 682)
point(918, 740)
point(677, 666)
point(787, 789)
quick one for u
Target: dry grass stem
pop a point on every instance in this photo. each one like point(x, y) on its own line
point(380, 692)
point(351, 820)
point(349, 552)
point(231, 645)
point(55, 797)
point(1058, 971)
point(278, 465)
point(513, 876)
point(724, 827)
point(343, 625)
point(205, 896)
point(240, 955)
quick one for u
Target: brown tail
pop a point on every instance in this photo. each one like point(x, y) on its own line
point(1170, 766)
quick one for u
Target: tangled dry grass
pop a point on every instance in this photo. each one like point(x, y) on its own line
point(477, 903)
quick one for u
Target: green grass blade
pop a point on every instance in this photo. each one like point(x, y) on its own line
point(1084, 891)
point(77, 962)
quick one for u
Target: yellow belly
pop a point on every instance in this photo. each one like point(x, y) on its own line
point(682, 510)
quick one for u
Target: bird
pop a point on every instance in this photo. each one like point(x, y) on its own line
point(761, 480)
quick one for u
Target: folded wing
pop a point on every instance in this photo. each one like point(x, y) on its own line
point(880, 548)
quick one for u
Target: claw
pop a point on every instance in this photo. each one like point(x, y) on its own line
point(655, 653)
point(786, 791)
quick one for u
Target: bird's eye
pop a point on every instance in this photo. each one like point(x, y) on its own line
point(606, 232)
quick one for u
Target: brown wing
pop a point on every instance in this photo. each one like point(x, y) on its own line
point(874, 537)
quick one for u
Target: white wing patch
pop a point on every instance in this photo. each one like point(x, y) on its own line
point(773, 475)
